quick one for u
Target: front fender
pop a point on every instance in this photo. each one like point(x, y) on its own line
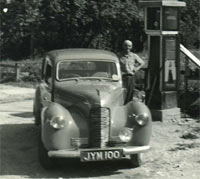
point(122, 117)
point(75, 126)
point(141, 134)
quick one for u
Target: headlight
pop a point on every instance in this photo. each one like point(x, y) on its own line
point(125, 134)
point(57, 122)
point(142, 119)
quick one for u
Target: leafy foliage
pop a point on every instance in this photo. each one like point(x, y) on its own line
point(190, 23)
point(81, 23)
point(34, 26)
point(30, 27)
point(18, 27)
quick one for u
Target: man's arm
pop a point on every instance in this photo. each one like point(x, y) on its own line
point(139, 63)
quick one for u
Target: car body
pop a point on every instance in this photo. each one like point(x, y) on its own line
point(79, 107)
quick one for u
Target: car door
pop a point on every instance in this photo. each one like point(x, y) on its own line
point(43, 94)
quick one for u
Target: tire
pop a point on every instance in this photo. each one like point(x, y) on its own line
point(135, 160)
point(45, 161)
point(37, 120)
point(37, 112)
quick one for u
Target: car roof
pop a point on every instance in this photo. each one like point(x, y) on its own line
point(81, 53)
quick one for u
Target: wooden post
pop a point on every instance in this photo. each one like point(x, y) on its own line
point(186, 73)
point(17, 72)
point(1, 73)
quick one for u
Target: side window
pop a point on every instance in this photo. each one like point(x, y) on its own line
point(47, 71)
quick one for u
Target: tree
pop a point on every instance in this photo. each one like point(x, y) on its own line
point(18, 27)
point(97, 24)
point(34, 26)
point(190, 23)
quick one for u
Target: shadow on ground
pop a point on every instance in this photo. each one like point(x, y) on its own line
point(23, 114)
point(19, 156)
point(189, 102)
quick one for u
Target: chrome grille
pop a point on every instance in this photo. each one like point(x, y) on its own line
point(99, 127)
point(79, 142)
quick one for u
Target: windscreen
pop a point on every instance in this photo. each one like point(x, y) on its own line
point(87, 69)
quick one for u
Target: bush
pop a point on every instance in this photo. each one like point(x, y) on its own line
point(31, 71)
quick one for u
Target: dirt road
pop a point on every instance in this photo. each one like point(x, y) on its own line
point(175, 152)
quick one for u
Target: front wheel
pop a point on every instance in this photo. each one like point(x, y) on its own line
point(44, 159)
point(37, 106)
point(136, 160)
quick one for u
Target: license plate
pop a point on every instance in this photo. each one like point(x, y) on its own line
point(101, 155)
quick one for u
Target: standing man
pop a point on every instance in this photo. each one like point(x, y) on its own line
point(130, 63)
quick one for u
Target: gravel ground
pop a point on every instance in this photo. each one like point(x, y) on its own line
point(174, 154)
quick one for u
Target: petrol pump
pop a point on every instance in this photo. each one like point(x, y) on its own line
point(162, 27)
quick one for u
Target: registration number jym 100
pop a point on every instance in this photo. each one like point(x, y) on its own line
point(100, 155)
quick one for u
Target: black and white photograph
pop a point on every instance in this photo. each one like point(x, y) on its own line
point(99, 89)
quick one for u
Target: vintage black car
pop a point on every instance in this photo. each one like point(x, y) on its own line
point(80, 109)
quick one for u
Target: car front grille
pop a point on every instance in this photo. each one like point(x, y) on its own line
point(79, 142)
point(99, 127)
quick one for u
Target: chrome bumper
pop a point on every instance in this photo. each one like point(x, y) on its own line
point(76, 153)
